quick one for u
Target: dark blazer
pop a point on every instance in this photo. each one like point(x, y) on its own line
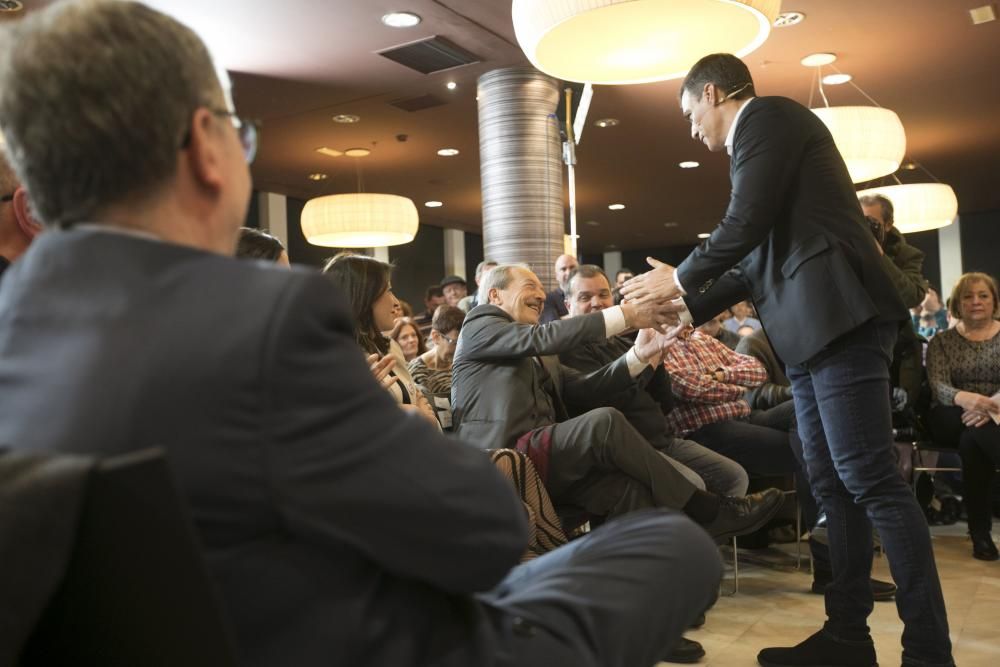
point(555, 306)
point(340, 530)
point(644, 402)
point(795, 235)
point(497, 392)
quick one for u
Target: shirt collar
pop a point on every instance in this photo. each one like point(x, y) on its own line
point(732, 128)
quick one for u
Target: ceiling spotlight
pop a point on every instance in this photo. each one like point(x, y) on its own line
point(818, 59)
point(433, 204)
point(669, 224)
point(400, 19)
point(908, 166)
point(606, 122)
point(357, 152)
point(451, 85)
point(448, 152)
point(836, 79)
point(704, 236)
point(688, 164)
point(347, 118)
point(317, 177)
point(329, 152)
point(616, 207)
point(786, 19)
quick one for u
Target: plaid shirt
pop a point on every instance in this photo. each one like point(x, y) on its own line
point(702, 399)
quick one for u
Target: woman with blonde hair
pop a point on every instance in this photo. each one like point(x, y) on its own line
point(963, 366)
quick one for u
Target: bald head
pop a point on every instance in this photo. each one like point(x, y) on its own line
point(565, 265)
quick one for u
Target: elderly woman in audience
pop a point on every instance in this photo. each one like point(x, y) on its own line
point(258, 244)
point(411, 341)
point(963, 366)
point(366, 283)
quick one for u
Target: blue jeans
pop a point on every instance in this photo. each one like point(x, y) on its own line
point(844, 419)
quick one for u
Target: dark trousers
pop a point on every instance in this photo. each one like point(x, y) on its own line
point(621, 596)
point(980, 451)
point(599, 462)
point(759, 447)
point(844, 419)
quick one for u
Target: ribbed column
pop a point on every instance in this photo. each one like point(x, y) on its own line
point(520, 158)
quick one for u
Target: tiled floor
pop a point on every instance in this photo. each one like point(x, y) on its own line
point(774, 608)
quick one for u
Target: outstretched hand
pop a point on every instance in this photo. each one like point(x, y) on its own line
point(656, 285)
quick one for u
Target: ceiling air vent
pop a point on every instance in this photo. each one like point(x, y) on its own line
point(418, 103)
point(433, 54)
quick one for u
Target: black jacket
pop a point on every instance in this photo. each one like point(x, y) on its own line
point(795, 234)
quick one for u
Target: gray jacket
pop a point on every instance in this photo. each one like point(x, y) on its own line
point(497, 391)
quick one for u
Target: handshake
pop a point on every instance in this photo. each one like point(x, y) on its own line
point(652, 300)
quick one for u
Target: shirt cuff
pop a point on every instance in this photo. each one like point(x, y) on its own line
point(635, 366)
point(614, 321)
point(677, 281)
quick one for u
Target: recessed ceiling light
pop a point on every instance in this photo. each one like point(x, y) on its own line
point(908, 166)
point(836, 79)
point(606, 122)
point(346, 118)
point(592, 223)
point(433, 204)
point(612, 246)
point(616, 207)
point(983, 14)
point(357, 152)
point(704, 236)
point(329, 152)
point(317, 177)
point(451, 85)
point(11, 6)
point(818, 59)
point(669, 224)
point(448, 152)
point(400, 19)
point(688, 164)
point(786, 19)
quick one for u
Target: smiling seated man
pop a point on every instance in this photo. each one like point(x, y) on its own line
point(644, 404)
point(510, 390)
point(339, 530)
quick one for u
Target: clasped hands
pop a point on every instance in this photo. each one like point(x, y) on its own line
point(653, 301)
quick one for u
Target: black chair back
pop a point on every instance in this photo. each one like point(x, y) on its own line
point(137, 591)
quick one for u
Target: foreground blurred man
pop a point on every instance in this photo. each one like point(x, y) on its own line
point(339, 530)
point(801, 250)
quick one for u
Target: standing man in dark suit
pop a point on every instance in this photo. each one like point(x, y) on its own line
point(793, 239)
point(338, 529)
point(555, 300)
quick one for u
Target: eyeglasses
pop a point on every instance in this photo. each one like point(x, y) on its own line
point(450, 341)
point(246, 130)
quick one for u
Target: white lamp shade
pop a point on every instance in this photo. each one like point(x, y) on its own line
point(870, 139)
point(918, 207)
point(636, 41)
point(359, 220)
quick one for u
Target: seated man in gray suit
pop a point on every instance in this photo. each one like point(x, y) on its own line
point(509, 390)
point(338, 529)
point(588, 290)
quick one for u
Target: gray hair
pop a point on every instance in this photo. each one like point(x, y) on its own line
point(584, 271)
point(481, 266)
point(96, 99)
point(498, 278)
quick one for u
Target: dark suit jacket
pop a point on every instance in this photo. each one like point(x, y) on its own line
point(555, 306)
point(795, 234)
point(496, 388)
point(340, 530)
point(644, 402)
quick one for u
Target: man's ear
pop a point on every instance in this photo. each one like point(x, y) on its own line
point(203, 150)
point(494, 297)
point(708, 93)
point(26, 221)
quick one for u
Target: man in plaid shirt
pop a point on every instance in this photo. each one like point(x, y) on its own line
point(709, 382)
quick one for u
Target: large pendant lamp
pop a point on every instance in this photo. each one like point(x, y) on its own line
point(636, 41)
point(359, 220)
point(870, 139)
point(918, 207)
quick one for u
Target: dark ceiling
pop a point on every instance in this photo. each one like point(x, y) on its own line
point(297, 63)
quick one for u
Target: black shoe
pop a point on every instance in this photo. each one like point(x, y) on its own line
point(685, 651)
point(698, 622)
point(739, 516)
point(821, 650)
point(882, 591)
point(983, 547)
